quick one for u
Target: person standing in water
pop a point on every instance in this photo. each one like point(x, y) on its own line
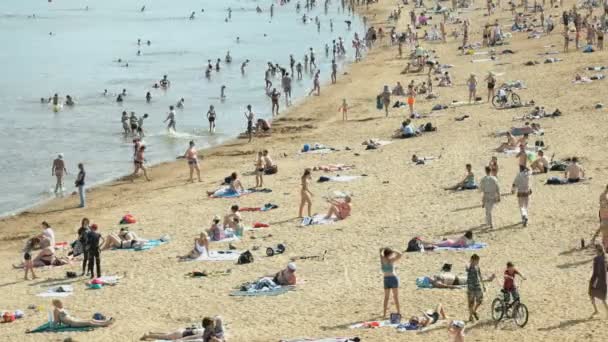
point(286, 83)
point(249, 115)
point(191, 156)
point(305, 193)
point(171, 119)
point(80, 184)
point(334, 71)
point(275, 96)
point(211, 117)
point(58, 171)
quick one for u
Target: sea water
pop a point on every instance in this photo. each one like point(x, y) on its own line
point(71, 47)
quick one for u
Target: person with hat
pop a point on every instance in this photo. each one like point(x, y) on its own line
point(58, 171)
point(456, 331)
point(287, 276)
point(94, 242)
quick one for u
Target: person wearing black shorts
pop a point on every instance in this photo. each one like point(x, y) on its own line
point(93, 246)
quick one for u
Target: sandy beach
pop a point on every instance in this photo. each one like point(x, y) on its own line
point(393, 203)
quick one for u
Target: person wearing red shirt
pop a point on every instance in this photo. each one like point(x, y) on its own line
point(508, 288)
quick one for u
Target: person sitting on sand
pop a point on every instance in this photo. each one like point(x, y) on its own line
point(541, 164)
point(262, 127)
point(124, 239)
point(201, 247)
point(456, 328)
point(509, 145)
point(270, 168)
point(468, 183)
point(574, 172)
point(445, 80)
point(229, 218)
point(463, 241)
point(61, 316)
point(428, 318)
point(234, 186)
point(339, 208)
point(287, 276)
point(216, 231)
point(333, 167)
point(207, 333)
point(407, 130)
point(398, 90)
point(446, 279)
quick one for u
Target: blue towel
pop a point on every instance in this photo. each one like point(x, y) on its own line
point(147, 246)
point(58, 328)
point(275, 292)
point(229, 193)
point(473, 247)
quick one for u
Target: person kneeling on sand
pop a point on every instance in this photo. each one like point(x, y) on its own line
point(61, 316)
point(124, 239)
point(212, 331)
point(201, 247)
point(339, 208)
point(468, 183)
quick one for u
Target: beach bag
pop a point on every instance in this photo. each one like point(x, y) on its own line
point(323, 179)
point(245, 258)
point(414, 245)
point(379, 104)
point(395, 318)
point(558, 166)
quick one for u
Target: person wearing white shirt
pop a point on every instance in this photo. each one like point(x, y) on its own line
point(488, 185)
point(48, 233)
point(521, 186)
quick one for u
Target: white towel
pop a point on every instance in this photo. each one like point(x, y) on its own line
point(343, 178)
point(216, 256)
point(66, 290)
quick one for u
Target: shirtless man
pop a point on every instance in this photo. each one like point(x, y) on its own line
point(574, 172)
point(316, 84)
point(229, 218)
point(243, 66)
point(274, 97)
point(58, 171)
point(171, 119)
point(299, 70)
point(249, 115)
point(191, 156)
point(541, 164)
point(334, 71)
point(522, 157)
point(286, 84)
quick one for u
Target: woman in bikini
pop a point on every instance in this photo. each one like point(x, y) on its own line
point(491, 79)
point(201, 247)
point(306, 195)
point(428, 317)
point(124, 239)
point(259, 170)
point(191, 156)
point(61, 316)
point(138, 163)
point(211, 117)
point(234, 187)
point(388, 257)
point(207, 333)
point(603, 214)
point(472, 84)
point(339, 209)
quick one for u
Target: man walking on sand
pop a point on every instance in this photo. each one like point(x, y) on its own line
point(490, 190)
point(521, 184)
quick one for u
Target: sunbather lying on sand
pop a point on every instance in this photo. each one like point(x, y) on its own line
point(46, 256)
point(333, 167)
point(201, 247)
point(285, 277)
point(460, 242)
point(61, 316)
point(509, 145)
point(209, 332)
point(446, 279)
point(468, 183)
point(124, 239)
point(422, 160)
point(428, 317)
point(339, 208)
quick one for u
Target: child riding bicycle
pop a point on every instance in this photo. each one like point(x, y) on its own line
point(509, 289)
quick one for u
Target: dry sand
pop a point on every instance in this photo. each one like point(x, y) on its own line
point(394, 203)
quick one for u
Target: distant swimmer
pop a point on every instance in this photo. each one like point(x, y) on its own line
point(171, 119)
point(229, 13)
point(223, 92)
point(105, 92)
point(348, 23)
point(138, 41)
point(211, 116)
point(243, 66)
point(125, 122)
point(148, 97)
point(299, 70)
point(208, 72)
point(238, 40)
point(58, 170)
point(217, 65)
point(124, 93)
point(55, 100)
point(312, 59)
point(180, 103)
point(69, 101)
point(292, 63)
point(192, 15)
point(228, 58)
point(258, 9)
point(165, 82)
point(331, 25)
point(119, 98)
point(143, 8)
point(149, 43)
point(139, 52)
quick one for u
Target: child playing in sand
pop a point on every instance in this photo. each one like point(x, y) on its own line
point(508, 287)
point(259, 171)
point(344, 110)
point(28, 265)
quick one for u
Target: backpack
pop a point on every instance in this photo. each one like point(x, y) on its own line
point(245, 258)
point(414, 245)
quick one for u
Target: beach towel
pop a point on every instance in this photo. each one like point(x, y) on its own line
point(219, 256)
point(373, 324)
point(266, 207)
point(463, 103)
point(57, 291)
point(425, 283)
point(229, 193)
point(56, 328)
point(146, 246)
point(316, 220)
point(473, 247)
point(231, 238)
point(327, 339)
point(319, 151)
point(338, 178)
point(279, 290)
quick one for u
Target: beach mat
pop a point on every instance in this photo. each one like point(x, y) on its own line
point(49, 327)
point(146, 247)
point(343, 178)
point(219, 256)
point(425, 283)
point(316, 220)
point(473, 247)
point(57, 292)
point(228, 239)
point(268, 293)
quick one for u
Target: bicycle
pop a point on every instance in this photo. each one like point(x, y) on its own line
point(509, 97)
point(516, 310)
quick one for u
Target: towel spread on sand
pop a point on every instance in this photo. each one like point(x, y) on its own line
point(219, 256)
point(229, 193)
point(57, 291)
point(473, 247)
point(373, 324)
point(464, 103)
point(316, 220)
point(146, 246)
point(342, 178)
point(232, 238)
point(425, 283)
point(51, 327)
point(279, 290)
point(328, 339)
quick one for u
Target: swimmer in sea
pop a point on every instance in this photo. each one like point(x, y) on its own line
point(148, 97)
point(119, 98)
point(211, 117)
point(139, 52)
point(105, 92)
point(164, 82)
point(217, 65)
point(140, 125)
point(208, 73)
point(180, 103)
point(228, 58)
point(69, 101)
point(192, 15)
point(58, 171)
point(299, 70)
point(243, 66)
point(238, 40)
point(125, 122)
point(171, 119)
point(149, 43)
point(55, 100)
point(223, 92)
point(124, 93)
